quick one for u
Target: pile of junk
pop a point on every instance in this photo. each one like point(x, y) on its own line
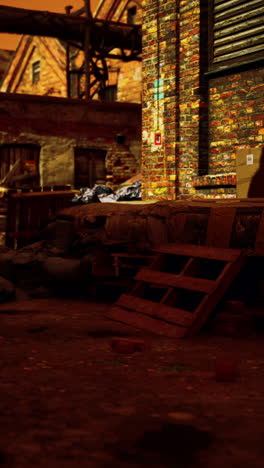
point(131, 191)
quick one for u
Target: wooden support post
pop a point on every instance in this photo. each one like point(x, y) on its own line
point(87, 51)
point(68, 12)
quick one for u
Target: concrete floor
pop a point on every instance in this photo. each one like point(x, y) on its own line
point(68, 400)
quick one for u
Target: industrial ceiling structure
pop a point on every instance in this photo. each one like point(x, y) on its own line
point(99, 39)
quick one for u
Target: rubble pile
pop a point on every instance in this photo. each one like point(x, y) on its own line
point(80, 243)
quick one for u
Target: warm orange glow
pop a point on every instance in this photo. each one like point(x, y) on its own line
point(9, 41)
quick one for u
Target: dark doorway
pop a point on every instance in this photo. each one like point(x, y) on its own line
point(89, 167)
point(24, 159)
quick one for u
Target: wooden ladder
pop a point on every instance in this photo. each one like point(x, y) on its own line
point(175, 295)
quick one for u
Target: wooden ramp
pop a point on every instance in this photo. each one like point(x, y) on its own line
point(175, 295)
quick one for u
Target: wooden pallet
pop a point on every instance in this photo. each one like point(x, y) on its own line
point(175, 295)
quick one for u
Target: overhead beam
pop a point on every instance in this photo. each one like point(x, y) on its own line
point(105, 35)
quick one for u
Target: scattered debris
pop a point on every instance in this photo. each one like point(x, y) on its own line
point(169, 444)
point(103, 194)
point(127, 345)
point(7, 290)
point(226, 370)
point(37, 329)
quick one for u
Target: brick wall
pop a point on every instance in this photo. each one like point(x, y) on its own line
point(58, 126)
point(174, 164)
point(202, 122)
point(51, 55)
point(126, 75)
point(190, 100)
point(160, 98)
point(236, 117)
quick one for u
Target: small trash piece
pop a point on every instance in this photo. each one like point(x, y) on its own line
point(127, 345)
point(233, 325)
point(93, 195)
point(104, 194)
point(37, 329)
point(226, 370)
point(129, 192)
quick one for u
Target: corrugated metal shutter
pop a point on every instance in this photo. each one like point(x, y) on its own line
point(238, 30)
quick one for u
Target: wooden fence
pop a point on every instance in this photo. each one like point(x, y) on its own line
point(28, 213)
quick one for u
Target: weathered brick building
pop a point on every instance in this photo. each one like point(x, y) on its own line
point(39, 64)
point(202, 90)
point(203, 94)
point(68, 141)
point(124, 77)
point(5, 57)
point(37, 67)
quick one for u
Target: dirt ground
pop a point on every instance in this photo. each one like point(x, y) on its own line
point(68, 400)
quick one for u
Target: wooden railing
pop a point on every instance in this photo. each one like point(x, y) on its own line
point(28, 213)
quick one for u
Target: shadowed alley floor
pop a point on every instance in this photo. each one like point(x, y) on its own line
point(68, 400)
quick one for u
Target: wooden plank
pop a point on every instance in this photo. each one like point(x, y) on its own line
point(237, 18)
point(176, 281)
point(44, 212)
point(209, 302)
point(239, 53)
point(224, 39)
point(202, 251)
point(138, 288)
point(144, 322)
point(176, 227)
point(236, 28)
point(166, 295)
point(236, 10)
point(235, 45)
point(11, 221)
point(23, 222)
point(162, 311)
point(23, 234)
point(157, 262)
point(191, 266)
point(132, 255)
point(220, 226)
point(65, 193)
point(224, 4)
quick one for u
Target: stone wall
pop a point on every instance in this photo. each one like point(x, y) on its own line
point(58, 126)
